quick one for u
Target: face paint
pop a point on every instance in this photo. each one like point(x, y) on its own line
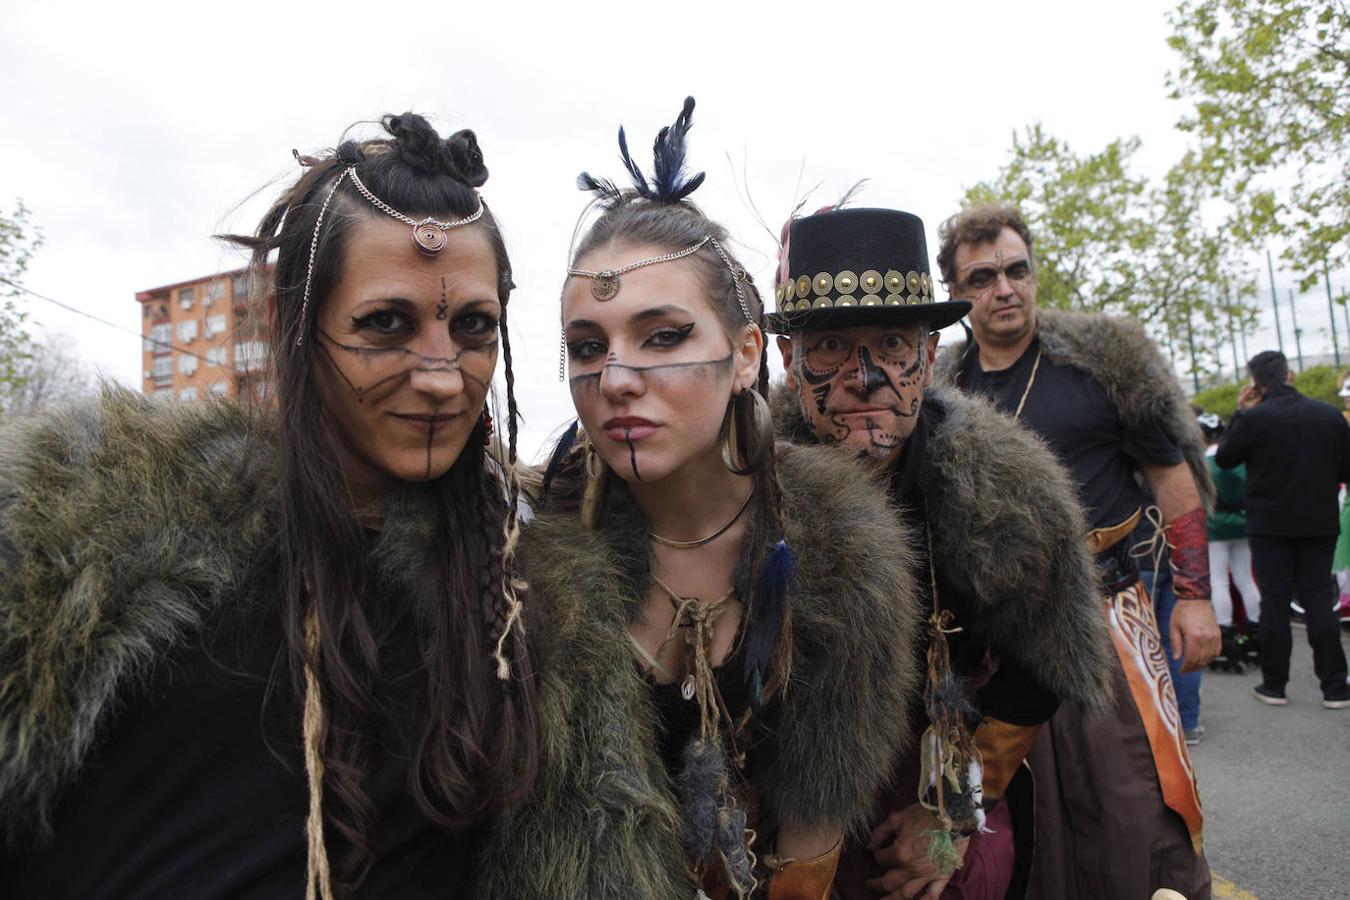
point(664, 373)
point(443, 308)
point(390, 363)
point(632, 452)
point(861, 386)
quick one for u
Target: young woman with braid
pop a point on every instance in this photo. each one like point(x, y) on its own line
point(730, 624)
point(278, 652)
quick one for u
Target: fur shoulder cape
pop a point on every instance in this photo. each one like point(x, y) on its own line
point(1008, 532)
point(1127, 364)
point(122, 524)
point(604, 820)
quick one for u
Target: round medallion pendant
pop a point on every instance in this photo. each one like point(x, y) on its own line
point(687, 689)
point(429, 239)
point(604, 286)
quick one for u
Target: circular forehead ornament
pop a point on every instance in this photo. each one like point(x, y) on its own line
point(429, 238)
point(604, 285)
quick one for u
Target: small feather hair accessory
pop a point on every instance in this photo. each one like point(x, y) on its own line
point(670, 182)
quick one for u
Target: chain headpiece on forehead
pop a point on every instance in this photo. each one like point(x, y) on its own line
point(428, 234)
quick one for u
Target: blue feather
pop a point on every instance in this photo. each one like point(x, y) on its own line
point(601, 187)
point(670, 182)
point(564, 447)
point(767, 616)
point(639, 181)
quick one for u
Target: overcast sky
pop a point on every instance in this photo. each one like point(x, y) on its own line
point(134, 131)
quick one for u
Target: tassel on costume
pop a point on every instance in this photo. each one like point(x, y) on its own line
point(703, 780)
point(942, 852)
point(767, 617)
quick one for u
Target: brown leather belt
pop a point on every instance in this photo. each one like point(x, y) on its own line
point(1100, 539)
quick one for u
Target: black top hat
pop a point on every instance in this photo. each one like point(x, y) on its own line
point(857, 267)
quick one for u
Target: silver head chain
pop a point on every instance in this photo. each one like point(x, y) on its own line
point(605, 283)
point(428, 234)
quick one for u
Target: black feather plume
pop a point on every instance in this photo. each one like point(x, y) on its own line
point(670, 181)
point(564, 447)
point(639, 180)
point(602, 188)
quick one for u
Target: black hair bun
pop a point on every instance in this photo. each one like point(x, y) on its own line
point(467, 158)
point(349, 153)
point(419, 147)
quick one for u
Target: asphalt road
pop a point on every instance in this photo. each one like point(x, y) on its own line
point(1275, 785)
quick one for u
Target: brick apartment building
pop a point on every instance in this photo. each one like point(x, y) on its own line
point(200, 339)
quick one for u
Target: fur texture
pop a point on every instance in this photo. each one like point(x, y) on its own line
point(604, 821)
point(122, 525)
point(1121, 357)
point(1008, 531)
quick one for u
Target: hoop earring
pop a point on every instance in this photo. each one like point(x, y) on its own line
point(747, 427)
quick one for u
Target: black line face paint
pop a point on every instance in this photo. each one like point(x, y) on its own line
point(431, 437)
point(664, 371)
point(837, 374)
point(403, 360)
point(632, 452)
point(443, 307)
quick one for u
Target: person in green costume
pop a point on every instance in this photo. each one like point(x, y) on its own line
point(1229, 553)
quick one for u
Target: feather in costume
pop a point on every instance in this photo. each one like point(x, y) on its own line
point(669, 183)
point(560, 452)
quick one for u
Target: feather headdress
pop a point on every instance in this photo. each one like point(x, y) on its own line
point(670, 181)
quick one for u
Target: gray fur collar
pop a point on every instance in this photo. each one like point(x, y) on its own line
point(1008, 532)
point(124, 525)
point(604, 821)
point(1126, 362)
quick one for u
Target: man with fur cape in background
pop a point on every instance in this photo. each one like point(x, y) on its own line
point(1118, 813)
point(1007, 584)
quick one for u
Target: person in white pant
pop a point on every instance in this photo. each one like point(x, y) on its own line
point(1229, 553)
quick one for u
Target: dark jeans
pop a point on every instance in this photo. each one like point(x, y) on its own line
point(1298, 567)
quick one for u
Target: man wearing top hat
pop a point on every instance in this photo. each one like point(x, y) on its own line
point(1014, 627)
point(1117, 811)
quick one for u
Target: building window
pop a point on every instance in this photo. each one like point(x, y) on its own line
point(215, 324)
point(216, 356)
point(214, 291)
point(185, 298)
point(188, 393)
point(162, 367)
point(187, 331)
point(241, 287)
point(161, 335)
point(249, 356)
point(187, 365)
point(220, 389)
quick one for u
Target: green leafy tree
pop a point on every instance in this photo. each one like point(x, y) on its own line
point(1108, 241)
point(19, 240)
point(1270, 80)
point(1086, 215)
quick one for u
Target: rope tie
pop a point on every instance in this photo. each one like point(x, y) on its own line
point(701, 616)
point(1156, 544)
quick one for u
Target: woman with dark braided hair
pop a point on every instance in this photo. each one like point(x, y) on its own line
point(279, 652)
point(730, 633)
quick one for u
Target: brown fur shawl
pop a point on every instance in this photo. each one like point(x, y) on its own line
point(1126, 362)
point(1008, 532)
point(604, 820)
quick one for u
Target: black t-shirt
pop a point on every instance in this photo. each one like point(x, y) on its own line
point(1072, 412)
point(1003, 688)
point(197, 789)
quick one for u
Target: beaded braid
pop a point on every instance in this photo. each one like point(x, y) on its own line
point(509, 616)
